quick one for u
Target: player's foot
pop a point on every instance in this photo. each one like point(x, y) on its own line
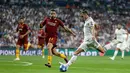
point(64, 64)
point(61, 63)
point(111, 58)
point(48, 65)
point(17, 59)
point(43, 56)
point(101, 54)
point(122, 58)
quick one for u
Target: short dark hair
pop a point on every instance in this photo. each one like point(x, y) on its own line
point(22, 17)
point(53, 10)
point(84, 12)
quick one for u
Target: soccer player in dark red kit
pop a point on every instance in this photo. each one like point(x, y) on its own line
point(23, 30)
point(51, 26)
point(128, 41)
point(41, 40)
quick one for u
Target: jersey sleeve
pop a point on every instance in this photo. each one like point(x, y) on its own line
point(43, 22)
point(124, 31)
point(92, 22)
point(61, 23)
point(27, 27)
point(116, 31)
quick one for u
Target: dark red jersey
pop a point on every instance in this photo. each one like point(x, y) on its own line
point(41, 33)
point(128, 27)
point(51, 25)
point(22, 28)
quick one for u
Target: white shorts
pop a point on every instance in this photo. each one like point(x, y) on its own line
point(89, 44)
point(122, 46)
point(128, 42)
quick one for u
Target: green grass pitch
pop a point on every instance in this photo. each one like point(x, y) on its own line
point(82, 65)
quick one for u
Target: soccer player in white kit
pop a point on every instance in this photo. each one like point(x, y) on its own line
point(89, 38)
point(120, 41)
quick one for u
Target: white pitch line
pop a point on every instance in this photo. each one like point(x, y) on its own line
point(23, 63)
point(27, 63)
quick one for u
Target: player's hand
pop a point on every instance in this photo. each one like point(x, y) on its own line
point(93, 37)
point(21, 36)
point(74, 34)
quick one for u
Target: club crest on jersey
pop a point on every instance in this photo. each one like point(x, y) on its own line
point(51, 23)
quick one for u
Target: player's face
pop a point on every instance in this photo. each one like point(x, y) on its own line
point(21, 21)
point(53, 14)
point(83, 16)
point(119, 26)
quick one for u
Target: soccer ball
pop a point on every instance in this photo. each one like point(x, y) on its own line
point(63, 68)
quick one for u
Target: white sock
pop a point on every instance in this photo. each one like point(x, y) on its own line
point(115, 54)
point(122, 56)
point(73, 58)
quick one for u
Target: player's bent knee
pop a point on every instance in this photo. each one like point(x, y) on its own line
point(39, 46)
point(50, 45)
point(17, 46)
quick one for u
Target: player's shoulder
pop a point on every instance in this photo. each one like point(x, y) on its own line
point(89, 19)
point(46, 17)
point(116, 30)
point(25, 24)
point(58, 19)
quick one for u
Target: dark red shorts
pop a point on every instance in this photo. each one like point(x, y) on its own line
point(41, 42)
point(22, 41)
point(52, 40)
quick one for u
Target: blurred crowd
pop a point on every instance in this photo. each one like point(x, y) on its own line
point(107, 20)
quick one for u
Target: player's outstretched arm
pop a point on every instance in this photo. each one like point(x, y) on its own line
point(69, 30)
point(93, 31)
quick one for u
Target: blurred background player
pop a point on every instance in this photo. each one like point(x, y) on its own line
point(51, 26)
point(89, 38)
point(121, 36)
point(41, 40)
point(128, 41)
point(23, 30)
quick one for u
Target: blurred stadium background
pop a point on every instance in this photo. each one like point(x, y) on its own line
point(106, 13)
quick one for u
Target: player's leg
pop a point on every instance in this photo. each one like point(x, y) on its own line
point(17, 52)
point(42, 50)
point(49, 46)
point(26, 44)
point(59, 54)
point(99, 48)
point(74, 57)
point(122, 54)
point(123, 47)
point(80, 49)
point(115, 54)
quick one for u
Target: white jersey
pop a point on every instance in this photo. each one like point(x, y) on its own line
point(120, 34)
point(89, 23)
point(88, 41)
